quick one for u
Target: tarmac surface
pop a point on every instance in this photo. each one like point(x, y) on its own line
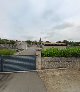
point(29, 51)
point(21, 82)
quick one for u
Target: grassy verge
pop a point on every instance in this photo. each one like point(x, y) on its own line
point(7, 52)
point(54, 52)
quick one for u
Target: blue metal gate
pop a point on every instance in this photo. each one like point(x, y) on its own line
point(17, 63)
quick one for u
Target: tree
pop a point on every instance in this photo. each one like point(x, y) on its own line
point(58, 42)
point(29, 42)
point(65, 41)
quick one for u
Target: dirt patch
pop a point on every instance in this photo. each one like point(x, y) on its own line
point(61, 80)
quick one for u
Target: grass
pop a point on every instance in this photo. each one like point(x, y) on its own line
point(54, 52)
point(7, 52)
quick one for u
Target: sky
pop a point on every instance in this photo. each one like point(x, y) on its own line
point(53, 20)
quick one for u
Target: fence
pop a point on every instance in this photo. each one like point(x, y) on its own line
point(25, 62)
point(17, 63)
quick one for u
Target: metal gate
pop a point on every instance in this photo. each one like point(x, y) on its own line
point(17, 63)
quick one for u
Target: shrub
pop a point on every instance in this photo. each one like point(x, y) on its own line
point(54, 52)
point(7, 52)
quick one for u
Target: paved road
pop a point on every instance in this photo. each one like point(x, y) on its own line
point(22, 82)
point(29, 51)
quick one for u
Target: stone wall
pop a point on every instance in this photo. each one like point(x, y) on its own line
point(60, 62)
point(56, 62)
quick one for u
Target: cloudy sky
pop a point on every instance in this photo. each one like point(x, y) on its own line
point(31, 19)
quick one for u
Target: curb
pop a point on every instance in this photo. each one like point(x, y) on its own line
point(20, 71)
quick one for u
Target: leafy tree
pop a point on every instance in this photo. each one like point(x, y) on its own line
point(65, 41)
point(29, 42)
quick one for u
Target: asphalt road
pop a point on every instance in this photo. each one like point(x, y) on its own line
point(29, 51)
point(22, 82)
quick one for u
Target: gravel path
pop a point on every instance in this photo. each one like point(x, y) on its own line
point(61, 80)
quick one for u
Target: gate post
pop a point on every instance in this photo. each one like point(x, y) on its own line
point(1, 64)
point(38, 59)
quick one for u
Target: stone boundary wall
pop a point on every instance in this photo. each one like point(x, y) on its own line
point(60, 62)
point(56, 62)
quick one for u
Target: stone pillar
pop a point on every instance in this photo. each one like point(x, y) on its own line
point(38, 59)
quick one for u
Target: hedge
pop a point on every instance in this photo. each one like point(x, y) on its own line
point(54, 52)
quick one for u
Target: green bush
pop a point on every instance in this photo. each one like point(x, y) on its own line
point(7, 52)
point(54, 52)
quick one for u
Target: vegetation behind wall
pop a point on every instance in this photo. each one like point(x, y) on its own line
point(7, 52)
point(68, 52)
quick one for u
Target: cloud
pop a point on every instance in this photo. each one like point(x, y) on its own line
point(32, 19)
point(63, 26)
point(64, 32)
